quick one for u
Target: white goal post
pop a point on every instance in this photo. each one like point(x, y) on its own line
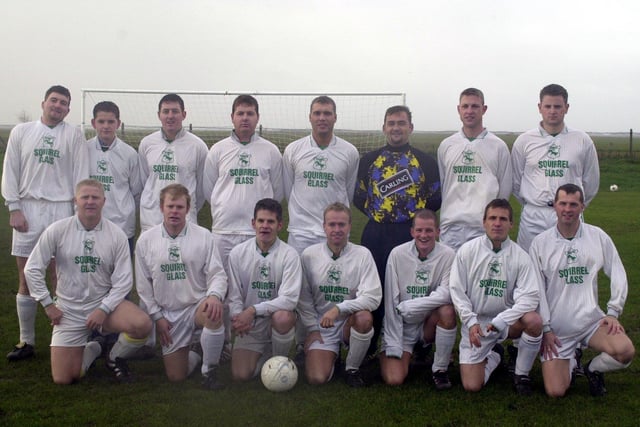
point(284, 117)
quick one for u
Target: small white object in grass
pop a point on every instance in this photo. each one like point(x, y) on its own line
point(613, 187)
point(279, 373)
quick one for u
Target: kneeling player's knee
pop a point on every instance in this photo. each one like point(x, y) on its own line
point(362, 321)
point(627, 354)
point(472, 387)
point(282, 321)
point(447, 315)
point(316, 377)
point(392, 378)
point(65, 379)
point(533, 324)
point(140, 327)
point(554, 392)
point(242, 373)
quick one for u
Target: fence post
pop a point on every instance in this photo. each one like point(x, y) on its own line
point(122, 129)
point(631, 143)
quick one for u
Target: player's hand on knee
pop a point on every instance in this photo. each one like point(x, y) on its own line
point(329, 318)
point(164, 331)
point(96, 320)
point(614, 326)
point(213, 308)
point(550, 344)
point(475, 332)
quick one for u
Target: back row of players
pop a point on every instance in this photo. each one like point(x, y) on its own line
point(495, 293)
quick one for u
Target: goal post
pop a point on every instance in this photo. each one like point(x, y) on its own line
point(284, 117)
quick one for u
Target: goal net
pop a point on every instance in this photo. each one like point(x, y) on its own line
point(284, 117)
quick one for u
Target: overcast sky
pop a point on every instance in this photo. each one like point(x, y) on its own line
point(430, 50)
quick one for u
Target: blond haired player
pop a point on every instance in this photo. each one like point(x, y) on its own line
point(94, 276)
point(44, 160)
point(182, 284)
point(419, 306)
point(340, 289)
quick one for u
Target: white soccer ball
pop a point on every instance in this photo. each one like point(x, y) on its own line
point(613, 187)
point(279, 374)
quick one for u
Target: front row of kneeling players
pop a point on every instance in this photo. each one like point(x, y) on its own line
point(333, 287)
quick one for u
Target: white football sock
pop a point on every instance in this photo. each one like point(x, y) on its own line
point(92, 350)
point(212, 342)
point(572, 365)
point(358, 346)
point(493, 360)
point(528, 350)
point(445, 340)
point(125, 347)
point(27, 308)
point(605, 363)
point(281, 343)
point(194, 361)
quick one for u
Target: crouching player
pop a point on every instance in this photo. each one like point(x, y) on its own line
point(264, 287)
point(568, 258)
point(495, 290)
point(340, 289)
point(418, 303)
point(180, 280)
point(94, 276)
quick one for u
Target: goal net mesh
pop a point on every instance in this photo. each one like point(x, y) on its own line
point(284, 117)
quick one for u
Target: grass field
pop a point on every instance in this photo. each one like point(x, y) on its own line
point(30, 398)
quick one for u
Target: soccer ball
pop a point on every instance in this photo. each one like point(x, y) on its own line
point(613, 187)
point(279, 374)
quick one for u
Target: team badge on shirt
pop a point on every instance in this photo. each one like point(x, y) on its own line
point(264, 270)
point(421, 286)
point(88, 245)
point(102, 166)
point(468, 157)
point(320, 162)
point(422, 276)
point(554, 151)
point(334, 275)
point(495, 268)
point(244, 159)
point(48, 141)
point(174, 253)
point(572, 256)
point(168, 156)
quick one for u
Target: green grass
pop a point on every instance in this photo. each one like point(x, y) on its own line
point(30, 398)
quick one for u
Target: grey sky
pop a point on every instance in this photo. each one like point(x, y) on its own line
point(429, 49)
